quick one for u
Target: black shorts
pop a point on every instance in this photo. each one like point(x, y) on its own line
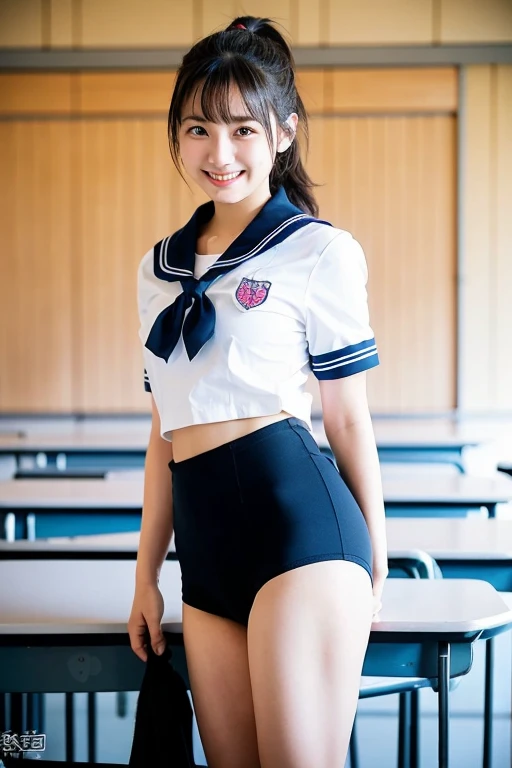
point(256, 507)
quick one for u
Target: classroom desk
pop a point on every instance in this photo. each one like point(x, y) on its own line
point(77, 449)
point(451, 493)
point(89, 504)
point(56, 634)
point(119, 500)
point(464, 548)
point(122, 443)
point(463, 442)
point(469, 547)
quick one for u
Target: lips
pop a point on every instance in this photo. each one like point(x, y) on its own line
point(224, 176)
point(223, 179)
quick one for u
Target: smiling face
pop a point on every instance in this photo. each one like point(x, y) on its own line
point(231, 161)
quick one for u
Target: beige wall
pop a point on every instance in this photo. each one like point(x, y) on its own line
point(175, 23)
point(89, 187)
point(133, 106)
point(486, 215)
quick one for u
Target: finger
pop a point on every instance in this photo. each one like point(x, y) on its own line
point(157, 638)
point(137, 642)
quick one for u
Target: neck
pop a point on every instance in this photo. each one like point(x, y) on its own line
point(232, 219)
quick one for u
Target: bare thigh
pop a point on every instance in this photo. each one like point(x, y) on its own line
point(218, 667)
point(307, 637)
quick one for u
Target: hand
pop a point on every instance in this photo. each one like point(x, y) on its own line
point(146, 616)
point(380, 572)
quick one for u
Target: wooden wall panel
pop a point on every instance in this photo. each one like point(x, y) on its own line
point(21, 24)
point(378, 173)
point(502, 162)
point(477, 284)
point(33, 94)
point(162, 23)
point(61, 23)
point(471, 21)
point(372, 22)
point(124, 92)
point(311, 84)
point(135, 24)
point(36, 292)
point(126, 205)
point(306, 24)
point(486, 370)
point(392, 90)
point(212, 17)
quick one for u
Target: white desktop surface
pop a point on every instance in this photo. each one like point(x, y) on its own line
point(78, 440)
point(74, 596)
point(128, 434)
point(432, 432)
point(469, 538)
point(127, 493)
point(456, 538)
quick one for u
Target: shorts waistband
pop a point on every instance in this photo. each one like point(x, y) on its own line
point(239, 444)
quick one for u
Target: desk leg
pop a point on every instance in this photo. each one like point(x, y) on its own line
point(91, 727)
point(488, 713)
point(3, 712)
point(443, 666)
point(40, 713)
point(16, 724)
point(415, 729)
point(31, 710)
point(404, 729)
point(353, 750)
point(70, 717)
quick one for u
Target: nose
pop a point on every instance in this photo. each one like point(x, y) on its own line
point(221, 152)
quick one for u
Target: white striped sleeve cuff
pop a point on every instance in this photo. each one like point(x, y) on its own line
point(346, 361)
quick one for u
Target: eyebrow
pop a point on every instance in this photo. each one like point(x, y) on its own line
point(234, 118)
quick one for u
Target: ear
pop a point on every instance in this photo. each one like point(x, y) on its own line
point(286, 138)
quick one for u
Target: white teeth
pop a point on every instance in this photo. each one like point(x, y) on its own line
point(226, 177)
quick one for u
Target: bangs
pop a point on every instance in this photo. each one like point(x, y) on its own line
point(234, 75)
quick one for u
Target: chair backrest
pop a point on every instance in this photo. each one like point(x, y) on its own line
point(413, 564)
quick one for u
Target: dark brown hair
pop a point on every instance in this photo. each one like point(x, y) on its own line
point(257, 60)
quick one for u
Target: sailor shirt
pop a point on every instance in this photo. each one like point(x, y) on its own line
point(287, 297)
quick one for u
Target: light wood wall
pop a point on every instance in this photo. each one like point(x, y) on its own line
point(91, 187)
point(176, 23)
point(486, 215)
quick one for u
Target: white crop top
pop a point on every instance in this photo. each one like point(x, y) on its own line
point(288, 297)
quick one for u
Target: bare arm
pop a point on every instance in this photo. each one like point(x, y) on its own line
point(155, 536)
point(157, 516)
point(349, 431)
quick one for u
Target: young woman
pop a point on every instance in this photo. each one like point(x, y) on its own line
point(283, 557)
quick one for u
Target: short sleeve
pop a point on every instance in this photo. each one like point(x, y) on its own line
point(143, 294)
point(341, 341)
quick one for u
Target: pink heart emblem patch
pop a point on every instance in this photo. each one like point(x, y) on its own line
point(252, 293)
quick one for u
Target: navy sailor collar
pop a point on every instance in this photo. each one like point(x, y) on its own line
point(174, 256)
point(192, 314)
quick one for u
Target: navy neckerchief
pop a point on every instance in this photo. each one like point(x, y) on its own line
point(174, 259)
